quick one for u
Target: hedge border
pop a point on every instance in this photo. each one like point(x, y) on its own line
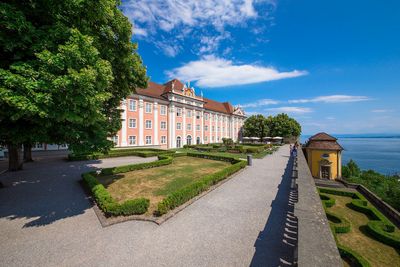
point(146, 152)
point(107, 203)
point(380, 228)
point(342, 226)
point(192, 190)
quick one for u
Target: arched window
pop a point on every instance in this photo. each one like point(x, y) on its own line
point(189, 140)
point(198, 140)
point(178, 142)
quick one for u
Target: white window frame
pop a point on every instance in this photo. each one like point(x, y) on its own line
point(163, 123)
point(189, 127)
point(198, 115)
point(163, 110)
point(189, 113)
point(129, 123)
point(179, 112)
point(205, 139)
point(197, 127)
point(132, 137)
point(205, 128)
point(151, 124)
point(113, 139)
point(147, 139)
point(163, 139)
point(134, 105)
point(180, 126)
point(147, 104)
point(206, 116)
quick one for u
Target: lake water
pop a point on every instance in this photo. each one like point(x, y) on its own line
point(381, 154)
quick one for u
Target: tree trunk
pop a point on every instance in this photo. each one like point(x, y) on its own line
point(28, 152)
point(14, 157)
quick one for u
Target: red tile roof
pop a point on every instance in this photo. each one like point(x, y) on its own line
point(323, 141)
point(159, 90)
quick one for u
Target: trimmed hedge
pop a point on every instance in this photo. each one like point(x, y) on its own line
point(162, 160)
point(327, 201)
point(356, 259)
point(108, 205)
point(379, 226)
point(339, 224)
point(186, 193)
point(148, 152)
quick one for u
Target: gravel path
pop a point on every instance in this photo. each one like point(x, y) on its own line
point(46, 220)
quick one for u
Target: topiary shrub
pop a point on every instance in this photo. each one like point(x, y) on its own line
point(353, 257)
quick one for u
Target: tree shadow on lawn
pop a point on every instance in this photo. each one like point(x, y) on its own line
point(45, 191)
point(276, 244)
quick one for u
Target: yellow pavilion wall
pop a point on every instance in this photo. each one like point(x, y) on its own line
point(315, 156)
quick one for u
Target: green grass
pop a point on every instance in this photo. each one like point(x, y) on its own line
point(375, 252)
point(156, 183)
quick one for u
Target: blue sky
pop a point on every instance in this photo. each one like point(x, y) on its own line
point(332, 65)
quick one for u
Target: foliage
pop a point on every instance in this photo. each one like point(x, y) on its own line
point(386, 187)
point(356, 259)
point(284, 126)
point(256, 126)
point(66, 66)
point(108, 205)
point(145, 153)
point(228, 142)
point(186, 193)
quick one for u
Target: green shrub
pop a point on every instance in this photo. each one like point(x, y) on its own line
point(327, 200)
point(338, 223)
point(338, 192)
point(356, 259)
point(186, 193)
point(148, 152)
point(163, 160)
point(108, 205)
point(384, 233)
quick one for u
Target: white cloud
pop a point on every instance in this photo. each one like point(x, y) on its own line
point(381, 110)
point(290, 110)
point(211, 71)
point(332, 99)
point(260, 103)
point(172, 18)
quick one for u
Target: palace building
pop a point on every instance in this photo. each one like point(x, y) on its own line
point(171, 115)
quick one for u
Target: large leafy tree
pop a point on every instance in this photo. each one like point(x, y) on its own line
point(284, 126)
point(256, 126)
point(65, 67)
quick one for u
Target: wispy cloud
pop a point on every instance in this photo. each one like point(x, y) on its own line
point(332, 99)
point(260, 103)
point(211, 71)
point(210, 18)
point(381, 110)
point(290, 110)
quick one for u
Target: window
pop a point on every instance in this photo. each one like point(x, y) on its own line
point(189, 127)
point(163, 125)
point(163, 139)
point(163, 110)
point(205, 138)
point(115, 139)
point(197, 127)
point(205, 127)
point(206, 116)
point(148, 140)
point(38, 145)
point(132, 105)
point(213, 128)
point(178, 142)
point(217, 138)
point(189, 140)
point(178, 112)
point(132, 140)
point(219, 129)
point(148, 107)
point(132, 123)
point(198, 115)
point(189, 113)
point(223, 129)
point(212, 138)
point(148, 124)
point(178, 126)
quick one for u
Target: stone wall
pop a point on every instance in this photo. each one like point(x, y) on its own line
point(383, 207)
point(316, 244)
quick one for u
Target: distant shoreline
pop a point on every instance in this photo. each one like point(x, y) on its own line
point(359, 136)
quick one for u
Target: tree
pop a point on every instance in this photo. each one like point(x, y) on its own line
point(351, 169)
point(284, 126)
point(66, 66)
point(256, 126)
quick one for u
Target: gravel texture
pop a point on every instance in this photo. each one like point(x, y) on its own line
point(46, 220)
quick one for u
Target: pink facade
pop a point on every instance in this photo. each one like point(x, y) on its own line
point(172, 115)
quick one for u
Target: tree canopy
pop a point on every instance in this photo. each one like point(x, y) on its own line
point(65, 67)
point(256, 126)
point(279, 125)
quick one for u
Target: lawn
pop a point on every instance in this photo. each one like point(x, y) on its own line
point(156, 183)
point(228, 154)
point(375, 252)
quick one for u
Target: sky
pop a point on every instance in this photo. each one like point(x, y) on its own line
point(332, 65)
